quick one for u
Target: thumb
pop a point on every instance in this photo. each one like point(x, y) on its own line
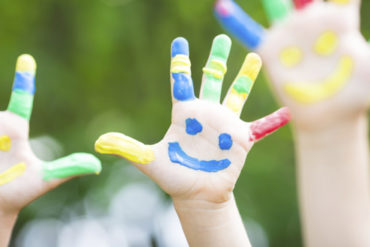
point(124, 146)
point(73, 165)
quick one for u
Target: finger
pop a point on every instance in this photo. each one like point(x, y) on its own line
point(300, 4)
point(21, 100)
point(243, 83)
point(277, 9)
point(213, 73)
point(73, 165)
point(265, 126)
point(181, 81)
point(239, 23)
point(126, 147)
point(356, 3)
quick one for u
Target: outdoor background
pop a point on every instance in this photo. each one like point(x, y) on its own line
point(103, 65)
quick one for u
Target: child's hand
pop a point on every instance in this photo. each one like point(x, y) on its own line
point(204, 150)
point(23, 177)
point(316, 57)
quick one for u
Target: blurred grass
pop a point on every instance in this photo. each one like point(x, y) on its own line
point(103, 65)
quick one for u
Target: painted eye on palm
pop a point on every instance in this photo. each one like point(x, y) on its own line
point(325, 47)
point(179, 156)
point(195, 115)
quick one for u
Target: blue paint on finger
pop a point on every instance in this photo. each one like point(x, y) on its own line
point(183, 89)
point(177, 155)
point(180, 46)
point(225, 142)
point(193, 126)
point(239, 23)
point(24, 81)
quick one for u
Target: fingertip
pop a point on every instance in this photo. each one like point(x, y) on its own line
point(26, 63)
point(221, 46)
point(285, 115)
point(223, 7)
point(103, 141)
point(92, 164)
point(252, 66)
point(180, 46)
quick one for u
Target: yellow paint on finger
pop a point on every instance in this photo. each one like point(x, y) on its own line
point(251, 66)
point(119, 144)
point(181, 64)
point(217, 68)
point(341, 1)
point(26, 63)
point(5, 143)
point(312, 92)
point(235, 100)
point(12, 173)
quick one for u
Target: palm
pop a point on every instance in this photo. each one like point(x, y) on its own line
point(20, 191)
point(316, 59)
point(23, 177)
point(215, 120)
point(204, 150)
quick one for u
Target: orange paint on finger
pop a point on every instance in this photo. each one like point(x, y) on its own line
point(12, 173)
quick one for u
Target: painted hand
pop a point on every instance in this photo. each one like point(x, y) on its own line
point(23, 177)
point(204, 150)
point(315, 55)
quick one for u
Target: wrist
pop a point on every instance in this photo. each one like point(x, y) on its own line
point(201, 204)
point(211, 224)
point(339, 133)
point(334, 184)
point(7, 222)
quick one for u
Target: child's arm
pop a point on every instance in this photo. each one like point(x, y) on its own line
point(212, 224)
point(334, 184)
point(317, 61)
point(24, 177)
point(202, 154)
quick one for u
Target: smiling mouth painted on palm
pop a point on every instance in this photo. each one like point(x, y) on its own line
point(312, 92)
point(179, 156)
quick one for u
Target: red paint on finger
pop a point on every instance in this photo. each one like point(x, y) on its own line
point(300, 4)
point(223, 7)
point(264, 126)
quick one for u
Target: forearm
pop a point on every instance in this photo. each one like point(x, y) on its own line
point(212, 225)
point(333, 184)
point(7, 222)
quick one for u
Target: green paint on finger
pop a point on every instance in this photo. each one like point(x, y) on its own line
point(73, 165)
point(277, 9)
point(216, 68)
point(243, 84)
point(221, 47)
point(212, 89)
point(21, 103)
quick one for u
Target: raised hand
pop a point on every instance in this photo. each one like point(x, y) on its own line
point(204, 150)
point(315, 56)
point(317, 60)
point(24, 177)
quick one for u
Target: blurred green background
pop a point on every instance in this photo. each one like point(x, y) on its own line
point(103, 65)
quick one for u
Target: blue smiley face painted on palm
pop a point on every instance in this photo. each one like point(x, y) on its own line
point(179, 156)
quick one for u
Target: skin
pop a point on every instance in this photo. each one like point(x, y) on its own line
point(330, 132)
point(25, 187)
point(203, 200)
